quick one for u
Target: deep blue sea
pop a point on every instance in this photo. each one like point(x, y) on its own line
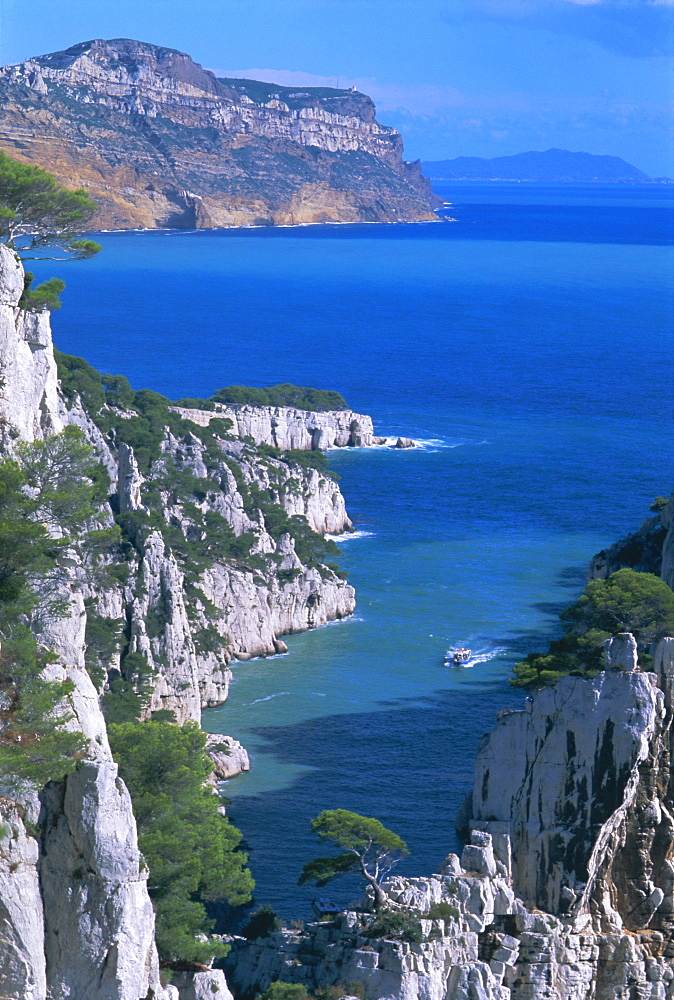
point(528, 345)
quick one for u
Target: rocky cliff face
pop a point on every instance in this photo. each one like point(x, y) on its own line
point(288, 428)
point(76, 920)
point(650, 549)
point(75, 916)
point(159, 141)
point(565, 889)
point(237, 607)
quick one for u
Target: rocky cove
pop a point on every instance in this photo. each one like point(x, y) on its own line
point(564, 888)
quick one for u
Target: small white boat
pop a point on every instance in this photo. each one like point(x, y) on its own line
point(460, 656)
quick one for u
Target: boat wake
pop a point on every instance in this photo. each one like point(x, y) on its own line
point(348, 536)
point(482, 655)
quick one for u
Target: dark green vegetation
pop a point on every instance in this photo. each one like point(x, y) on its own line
point(627, 601)
point(369, 848)
point(659, 504)
point(262, 922)
point(44, 296)
point(285, 991)
point(37, 214)
point(51, 483)
point(286, 394)
point(191, 851)
point(295, 991)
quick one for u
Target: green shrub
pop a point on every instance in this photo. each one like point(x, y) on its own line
point(103, 637)
point(659, 504)
point(129, 689)
point(262, 923)
point(191, 851)
point(443, 911)
point(627, 601)
point(350, 989)
point(109, 400)
point(44, 296)
point(285, 991)
point(301, 397)
point(400, 925)
point(47, 483)
point(308, 460)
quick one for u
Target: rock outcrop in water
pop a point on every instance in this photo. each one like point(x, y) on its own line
point(158, 141)
point(566, 887)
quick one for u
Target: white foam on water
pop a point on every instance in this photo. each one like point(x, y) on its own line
point(438, 444)
point(279, 694)
point(349, 535)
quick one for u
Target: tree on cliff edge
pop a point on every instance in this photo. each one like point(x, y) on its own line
point(369, 849)
point(38, 215)
point(628, 601)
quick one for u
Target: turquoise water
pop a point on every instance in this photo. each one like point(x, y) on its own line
point(528, 345)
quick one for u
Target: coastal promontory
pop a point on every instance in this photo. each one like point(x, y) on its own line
point(158, 141)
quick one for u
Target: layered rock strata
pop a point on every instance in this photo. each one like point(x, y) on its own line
point(159, 141)
point(565, 889)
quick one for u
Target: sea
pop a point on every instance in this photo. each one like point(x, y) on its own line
point(525, 342)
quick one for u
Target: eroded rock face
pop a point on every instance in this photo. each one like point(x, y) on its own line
point(210, 985)
point(286, 428)
point(168, 144)
point(188, 644)
point(75, 916)
point(228, 756)
point(650, 549)
point(99, 922)
point(560, 770)
point(28, 384)
point(566, 888)
point(22, 960)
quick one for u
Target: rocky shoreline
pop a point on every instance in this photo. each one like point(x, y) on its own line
point(564, 890)
point(211, 546)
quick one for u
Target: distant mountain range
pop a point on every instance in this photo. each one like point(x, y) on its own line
point(555, 166)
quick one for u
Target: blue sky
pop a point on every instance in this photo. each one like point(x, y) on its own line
point(457, 77)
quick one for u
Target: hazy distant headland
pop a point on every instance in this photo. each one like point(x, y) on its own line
point(555, 166)
point(158, 142)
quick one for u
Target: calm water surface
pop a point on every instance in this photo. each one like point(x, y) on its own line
point(528, 345)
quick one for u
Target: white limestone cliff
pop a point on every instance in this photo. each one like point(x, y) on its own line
point(229, 758)
point(75, 916)
point(286, 427)
point(565, 890)
point(28, 383)
point(76, 920)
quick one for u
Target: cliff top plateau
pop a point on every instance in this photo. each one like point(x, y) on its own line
point(158, 141)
